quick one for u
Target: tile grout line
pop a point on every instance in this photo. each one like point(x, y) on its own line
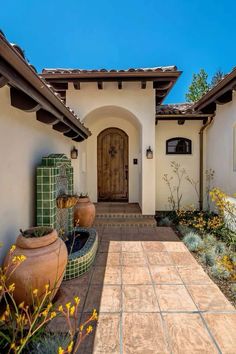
point(200, 314)
point(165, 332)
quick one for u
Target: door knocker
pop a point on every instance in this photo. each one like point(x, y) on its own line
point(112, 151)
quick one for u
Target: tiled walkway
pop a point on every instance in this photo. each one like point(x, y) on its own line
point(152, 297)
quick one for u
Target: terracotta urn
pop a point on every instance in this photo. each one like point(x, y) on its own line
point(45, 263)
point(84, 212)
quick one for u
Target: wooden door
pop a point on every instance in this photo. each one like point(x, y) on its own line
point(112, 165)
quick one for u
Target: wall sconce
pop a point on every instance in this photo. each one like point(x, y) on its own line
point(74, 153)
point(149, 153)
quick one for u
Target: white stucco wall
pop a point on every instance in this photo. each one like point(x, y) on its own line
point(131, 109)
point(23, 143)
point(166, 130)
point(221, 146)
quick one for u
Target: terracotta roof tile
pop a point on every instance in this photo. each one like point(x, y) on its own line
point(180, 108)
point(77, 71)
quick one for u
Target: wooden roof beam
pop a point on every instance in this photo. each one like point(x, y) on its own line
point(119, 84)
point(143, 84)
point(100, 85)
point(225, 98)
point(76, 85)
point(3, 81)
point(22, 101)
point(46, 117)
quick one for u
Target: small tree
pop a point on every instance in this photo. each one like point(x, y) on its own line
point(198, 87)
point(217, 77)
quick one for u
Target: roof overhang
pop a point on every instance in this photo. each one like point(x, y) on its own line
point(163, 79)
point(30, 93)
point(220, 94)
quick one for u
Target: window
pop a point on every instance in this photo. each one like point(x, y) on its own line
point(178, 146)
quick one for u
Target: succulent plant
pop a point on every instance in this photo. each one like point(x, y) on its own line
point(220, 272)
point(48, 344)
point(193, 241)
point(208, 258)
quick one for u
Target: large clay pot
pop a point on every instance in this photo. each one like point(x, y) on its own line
point(46, 259)
point(84, 212)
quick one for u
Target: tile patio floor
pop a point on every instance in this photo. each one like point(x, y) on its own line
point(152, 297)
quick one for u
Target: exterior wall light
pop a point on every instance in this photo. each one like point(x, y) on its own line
point(149, 153)
point(74, 153)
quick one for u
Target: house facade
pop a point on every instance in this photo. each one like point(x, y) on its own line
point(126, 136)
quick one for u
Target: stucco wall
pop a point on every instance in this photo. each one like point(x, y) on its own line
point(221, 146)
point(138, 109)
point(164, 131)
point(23, 142)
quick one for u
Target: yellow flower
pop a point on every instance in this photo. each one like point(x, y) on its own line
point(60, 308)
point(35, 292)
point(95, 315)
point(68, 305)
point(12, 249)
point(72, 310)
point(11, 287)
point(81, 328)
point(89, 329)
point(13, 345)
point(70, 347)
point(21, 306)
point(61, 350)
point(77, 300)
point(46, 287)
point(53, 314)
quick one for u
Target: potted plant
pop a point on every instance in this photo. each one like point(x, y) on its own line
point(84, 211)
point(45, 262)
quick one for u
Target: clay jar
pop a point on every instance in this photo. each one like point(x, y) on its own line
point(45, 263)
point(84, 212)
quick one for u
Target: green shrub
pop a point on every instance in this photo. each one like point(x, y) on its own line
point(184, 229)
point(233, 290)
point(48, 344)
point(193, 241)
point(220, 272)
point(208, 258)
point(166, 222)
point(209, 240)
point(220, 248)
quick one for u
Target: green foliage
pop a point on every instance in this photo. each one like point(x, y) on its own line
point(217, 77)
point(198, 87)
point(233, 290)
point(219, 248)
point(183, 229)
point(48, 344)
point(220, 272)
point(193, 241)
point(166, 221)
point(228, 236)
point(209, 240)
point(208, 258)
point(36, 231)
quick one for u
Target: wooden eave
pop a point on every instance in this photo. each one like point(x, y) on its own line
point(182, 117)
point(163, 81)
point(220, 94)
point(34, 93)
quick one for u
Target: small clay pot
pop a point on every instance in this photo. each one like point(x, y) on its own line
point(45, 263)
point(84, 212)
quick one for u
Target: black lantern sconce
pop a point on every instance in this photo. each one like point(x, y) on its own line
point(149, 153)
point(74, 153)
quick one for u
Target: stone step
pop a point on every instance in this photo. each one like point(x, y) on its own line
point(140, 221)
point(123, 216)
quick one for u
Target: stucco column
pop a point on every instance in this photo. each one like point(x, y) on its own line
point(148, 169)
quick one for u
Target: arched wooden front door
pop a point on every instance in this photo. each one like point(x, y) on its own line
point(112, 160)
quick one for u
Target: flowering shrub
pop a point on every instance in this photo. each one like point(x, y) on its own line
point(20, 323)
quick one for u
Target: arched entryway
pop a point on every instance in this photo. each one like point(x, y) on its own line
point(112, 165)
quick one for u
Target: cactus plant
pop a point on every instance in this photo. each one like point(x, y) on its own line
point(165, 222)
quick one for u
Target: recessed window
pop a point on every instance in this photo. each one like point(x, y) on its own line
point(178, 146)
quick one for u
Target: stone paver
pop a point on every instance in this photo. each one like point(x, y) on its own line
point(152, 297)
